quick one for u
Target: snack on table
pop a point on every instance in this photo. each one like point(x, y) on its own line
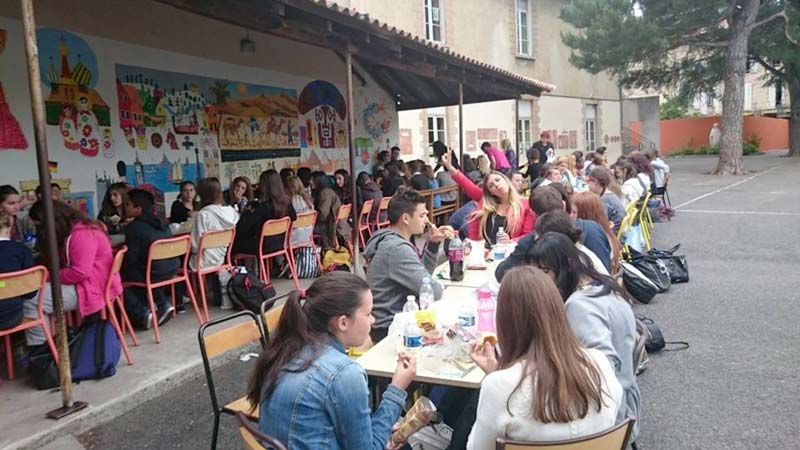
point(417, 417)
point(426, 319)
point(488, 337)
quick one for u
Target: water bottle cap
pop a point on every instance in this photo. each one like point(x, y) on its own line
point(484, 293)
point(426, 280)
point(410, 298)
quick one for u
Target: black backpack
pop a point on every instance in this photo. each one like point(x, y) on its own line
point(248, 291)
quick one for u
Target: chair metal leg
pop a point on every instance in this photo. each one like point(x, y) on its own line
point(9, 358)
point(120, 334)
point(292, 269)
point(190, 291)
point(153, 311)
point(216, 430)
point(202, 282)
point(48, 336)
point(126, 322)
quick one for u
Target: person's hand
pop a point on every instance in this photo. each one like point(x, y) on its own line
point(438, 234)
point(406, 370)
point(114, 219)
point(483, 355)
point(389, 445)
point(503, 238)
point(447, 158)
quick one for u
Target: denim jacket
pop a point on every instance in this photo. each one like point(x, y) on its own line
point(327, 405)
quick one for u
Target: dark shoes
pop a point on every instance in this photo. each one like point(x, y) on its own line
point(164, 314)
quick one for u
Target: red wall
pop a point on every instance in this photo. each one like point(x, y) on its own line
point(693, 132)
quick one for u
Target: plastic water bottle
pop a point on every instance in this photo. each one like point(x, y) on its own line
point(426, 294)
point(30, 240)
point(412, 338)
point(411, 304)
point(466, 315)
point(455, 254)
point(486, 308)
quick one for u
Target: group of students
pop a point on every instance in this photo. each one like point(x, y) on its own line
point(563, 365)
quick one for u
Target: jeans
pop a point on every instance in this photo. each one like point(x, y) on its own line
point(136, 301)
point(35, 335)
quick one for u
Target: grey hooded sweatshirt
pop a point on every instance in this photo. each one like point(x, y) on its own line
point(395, 271)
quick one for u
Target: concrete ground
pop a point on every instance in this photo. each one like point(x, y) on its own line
point(735, 388)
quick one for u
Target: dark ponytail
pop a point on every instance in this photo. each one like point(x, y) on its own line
point(305, 321)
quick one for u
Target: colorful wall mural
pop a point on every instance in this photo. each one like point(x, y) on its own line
point(69, 69)
point(11, 135)
point(244, 121)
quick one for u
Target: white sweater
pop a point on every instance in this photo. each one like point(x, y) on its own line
point(493, 418)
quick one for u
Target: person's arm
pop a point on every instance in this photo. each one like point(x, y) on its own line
point(592, 329)
point(198, 228)
point(81, 258)
point(488, 417)
point(517, 257)
point(324, 207)
point(528, 221)
point(134, 257)
point(431, 259)
point(470, 189)
point(348, 406)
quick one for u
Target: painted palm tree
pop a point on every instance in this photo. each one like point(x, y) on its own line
point(220, 92)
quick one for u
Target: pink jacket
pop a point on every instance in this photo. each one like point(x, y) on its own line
point(88, 263)
point(498, 159)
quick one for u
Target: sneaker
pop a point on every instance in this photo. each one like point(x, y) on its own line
point(148, 321)
point(165, 314)
point(181, 308)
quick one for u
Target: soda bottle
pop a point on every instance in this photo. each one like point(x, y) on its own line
point(455, 255)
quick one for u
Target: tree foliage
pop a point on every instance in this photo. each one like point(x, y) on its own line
point(674, 107)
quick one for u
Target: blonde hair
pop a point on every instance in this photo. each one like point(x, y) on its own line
point(483, 165)
point(505, 144)
point(571, 163)
point(490, 205)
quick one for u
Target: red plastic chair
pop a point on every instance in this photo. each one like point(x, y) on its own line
point(14, 284)
point(210, 240)
point(110, 312)
point(363, 222)
point(166, 249)
point(306, 219)
point(383, 211)
point(275, 227)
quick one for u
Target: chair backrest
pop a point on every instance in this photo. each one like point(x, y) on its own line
point(170, 247)
point(384, 204)
point(270, 316)
point(275, 227)
point(252, 437)
point(219, 342)
point(116, 265)
point(363, 217)
point(615, 438)
point(306, 219)
point(21, 282)
point(216, 239)
point(344, 212)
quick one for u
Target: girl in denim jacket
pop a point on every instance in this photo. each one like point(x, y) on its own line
point(311, 395)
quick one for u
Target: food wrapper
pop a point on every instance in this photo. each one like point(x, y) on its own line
point(426, 319)
point(476, 259)
point(417, 417)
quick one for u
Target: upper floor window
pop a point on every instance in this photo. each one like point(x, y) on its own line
point(523, 28)
point(434, 20)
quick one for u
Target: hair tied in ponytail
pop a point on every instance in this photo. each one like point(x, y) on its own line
point(302, 297)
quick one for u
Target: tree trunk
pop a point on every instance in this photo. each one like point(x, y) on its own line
point(794, 117)
point(730, 151)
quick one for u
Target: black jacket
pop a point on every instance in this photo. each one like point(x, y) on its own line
point(14, 256)
point(139, 234)
point(420, 182)
point(248, 229)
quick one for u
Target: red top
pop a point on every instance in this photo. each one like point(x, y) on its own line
point(476, 193)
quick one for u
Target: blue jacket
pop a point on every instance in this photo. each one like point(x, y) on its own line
point(327, 405)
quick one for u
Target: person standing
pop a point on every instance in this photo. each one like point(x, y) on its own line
point(497, 159)
point(547, 152)
point(715, 135)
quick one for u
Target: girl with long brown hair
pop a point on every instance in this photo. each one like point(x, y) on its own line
point(545, 386)
point(310, 394)
point(588, 206)
point(273, 203)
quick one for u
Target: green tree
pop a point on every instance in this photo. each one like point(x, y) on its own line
point(682, 45)
point(674, 107)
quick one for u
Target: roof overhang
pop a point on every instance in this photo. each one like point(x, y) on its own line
point(418, 73)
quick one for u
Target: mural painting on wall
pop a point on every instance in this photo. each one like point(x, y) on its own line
point(163, 176)
point(11, 135)
point(240, 121)
point(323, 116)
point(69, 68)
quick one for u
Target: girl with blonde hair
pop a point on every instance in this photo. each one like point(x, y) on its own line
point(499, 205)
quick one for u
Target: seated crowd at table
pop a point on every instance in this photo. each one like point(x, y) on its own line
point(562, 366)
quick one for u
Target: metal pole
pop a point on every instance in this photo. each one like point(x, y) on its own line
point(351, 130)
point(516, 128)
point(461, 123)
point(37, 104)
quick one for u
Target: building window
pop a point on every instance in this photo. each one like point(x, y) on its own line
point(589, 126)
point(748, 96)
point(523, 28)
point(778, 94)
point(434, 20)
point(436, 130)
point(524, 135)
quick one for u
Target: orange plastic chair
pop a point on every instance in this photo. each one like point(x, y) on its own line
point(210, 240)
point(14, 284)
point(275, 227)
point(123, 325)
point(166, 249)
point(363, 222)
point(383, 211)
point(306, 219)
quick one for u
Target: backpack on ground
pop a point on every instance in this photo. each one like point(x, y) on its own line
point(641, 361)
point(306, 263)
point(336, 259)
point(638, 284)
point(677, 267)
point(655, 341)
point(248, 291)
point(653, 268)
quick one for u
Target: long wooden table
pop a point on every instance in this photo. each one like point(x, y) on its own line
point(472, 278)
point(381, 360)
